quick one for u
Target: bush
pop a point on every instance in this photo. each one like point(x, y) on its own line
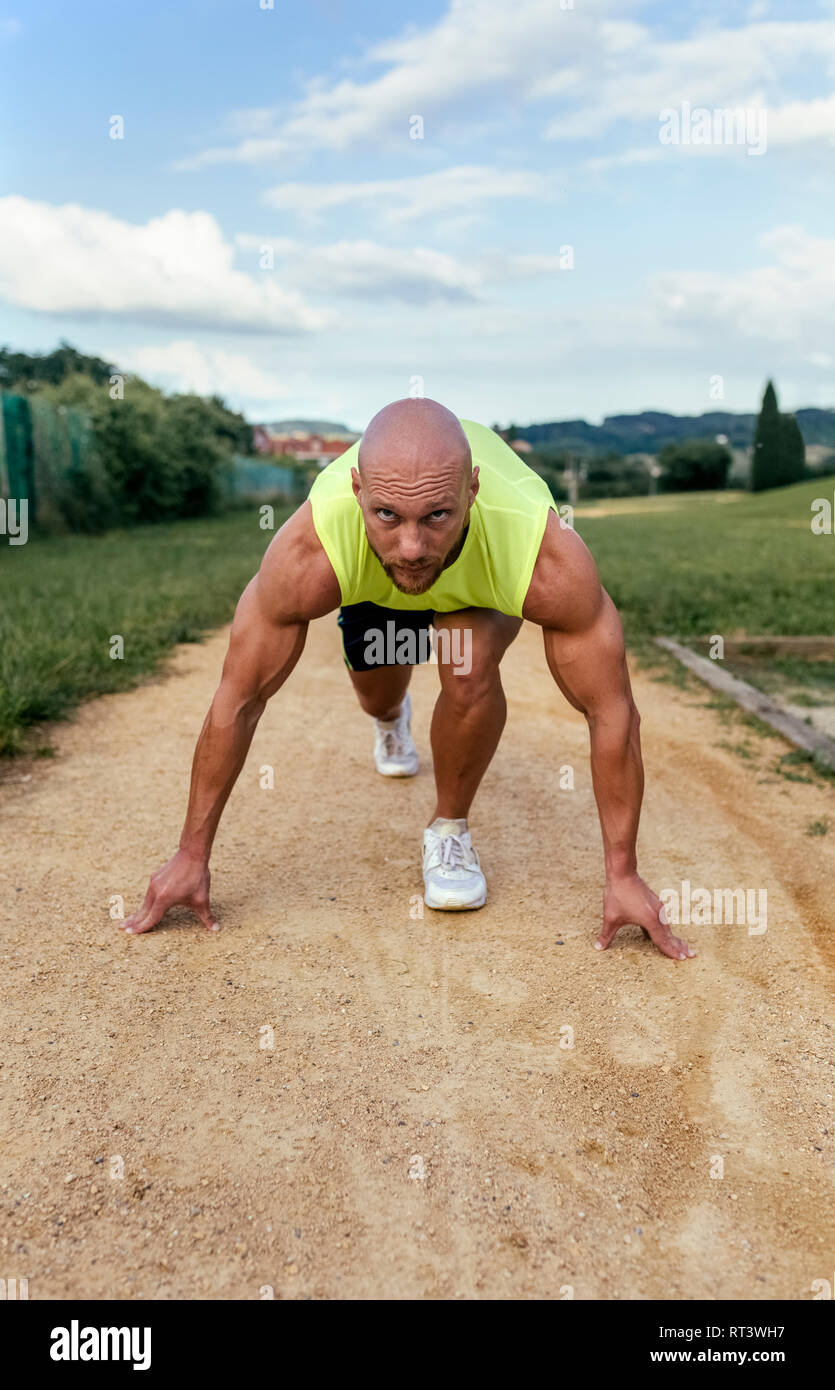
point(143, 457)
point(693, 465)
point(553, 477)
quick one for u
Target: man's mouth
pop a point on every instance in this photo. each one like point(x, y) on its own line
point(412, 576)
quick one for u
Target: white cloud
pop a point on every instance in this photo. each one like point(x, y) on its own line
point(718, 67)
point(414, 275)
point(477, 47)
point(174, 269)
point(188, 366)
point(637, 155)
point(408, 199)
point(797, 121)
point(594, 63)
point(366, 269)
point(790, 302)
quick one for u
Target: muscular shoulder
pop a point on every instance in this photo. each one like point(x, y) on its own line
point(565, 590)
point(296, 582)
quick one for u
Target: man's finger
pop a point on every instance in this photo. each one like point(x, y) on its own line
point(204, 912)
point(607, 934)
point(655, 927)
point(146, 918)
point(140, 913)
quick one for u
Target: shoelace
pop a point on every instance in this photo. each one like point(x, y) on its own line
point(391, 739)
point(391, 743)
point(452, 854)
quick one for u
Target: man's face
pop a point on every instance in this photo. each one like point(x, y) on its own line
point(415, 528)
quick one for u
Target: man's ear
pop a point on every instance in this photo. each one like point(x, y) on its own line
point(356, 482)
point(474, 485)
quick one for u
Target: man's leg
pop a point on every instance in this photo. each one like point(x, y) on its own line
point(471, 709)
point(466, 727)
point(381, 692)
point(381, 645)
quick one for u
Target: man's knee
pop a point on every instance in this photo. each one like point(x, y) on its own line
point(471, 673)
point(469, 655)
point(466, 692)
point(381, 691)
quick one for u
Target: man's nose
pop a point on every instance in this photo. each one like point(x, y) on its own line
point(411, 544)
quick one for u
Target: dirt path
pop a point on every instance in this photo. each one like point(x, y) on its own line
point(417, 1130)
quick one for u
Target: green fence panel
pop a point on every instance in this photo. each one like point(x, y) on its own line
point(19, 449)
point(250, 478)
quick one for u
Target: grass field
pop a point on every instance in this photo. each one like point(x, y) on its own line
point(685, 565)
point(704, 563)
point(64, 598)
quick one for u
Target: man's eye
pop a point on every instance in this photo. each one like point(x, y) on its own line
point(439, 514)
point(384, 514)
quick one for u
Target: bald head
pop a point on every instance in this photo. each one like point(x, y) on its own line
point(415, 485)
point(414, 436)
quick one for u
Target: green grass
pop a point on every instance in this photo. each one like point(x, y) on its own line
point(63, 598)
point(727, 563)
point(687, 565)
point(808, 682)
point(810, 762)
point(818, 827)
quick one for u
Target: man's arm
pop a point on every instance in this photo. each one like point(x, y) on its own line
point(294, 584)
point(585, 651)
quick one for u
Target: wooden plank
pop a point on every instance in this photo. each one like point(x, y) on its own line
point(754, 701)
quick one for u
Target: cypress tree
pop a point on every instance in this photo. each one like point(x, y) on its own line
point(768, 444)
point(793, 457)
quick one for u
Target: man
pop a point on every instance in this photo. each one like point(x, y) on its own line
point(428, 518)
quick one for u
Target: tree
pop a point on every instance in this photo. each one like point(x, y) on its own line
point(229, 426)
point(779, 455)
point(152, 457)
point(26, 372)
point(613, 475)
point(692, 465)
point(200, 450)
point(794, 451)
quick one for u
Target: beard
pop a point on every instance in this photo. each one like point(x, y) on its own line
point(411, 582)
point(421, 578)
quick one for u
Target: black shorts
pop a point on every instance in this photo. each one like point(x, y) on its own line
point(373, 636)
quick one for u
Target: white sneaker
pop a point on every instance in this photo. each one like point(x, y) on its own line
point(452, 875)
point(394, 752)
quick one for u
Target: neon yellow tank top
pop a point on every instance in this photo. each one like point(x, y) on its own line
point(507, 523)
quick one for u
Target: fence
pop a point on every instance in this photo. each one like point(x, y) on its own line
point(249, 480)
point(48, 454)
point(44, 449)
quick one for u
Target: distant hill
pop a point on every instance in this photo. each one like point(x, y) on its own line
point(650, 430)
point(644, 433)
point(311, 426)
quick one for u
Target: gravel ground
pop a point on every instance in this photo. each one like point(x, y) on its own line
point(335, 1097)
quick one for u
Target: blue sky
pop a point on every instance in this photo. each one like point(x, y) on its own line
point(268, 227)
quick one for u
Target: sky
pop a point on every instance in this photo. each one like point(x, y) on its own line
point(538, 210)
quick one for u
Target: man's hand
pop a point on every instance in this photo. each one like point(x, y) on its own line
point(294, 584)
point(629, 899)
point(184, 881)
